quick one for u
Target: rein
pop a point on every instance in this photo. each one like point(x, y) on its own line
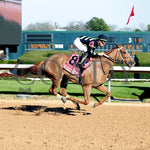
point(111, 59)
point(102, 66)
point(115, 60)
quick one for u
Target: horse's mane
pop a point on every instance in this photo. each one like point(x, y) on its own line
point(109, 51)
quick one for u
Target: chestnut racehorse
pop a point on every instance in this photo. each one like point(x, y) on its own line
point(94, 77)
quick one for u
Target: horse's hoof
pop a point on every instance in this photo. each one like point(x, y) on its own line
point(63, 100)
point(78, 106)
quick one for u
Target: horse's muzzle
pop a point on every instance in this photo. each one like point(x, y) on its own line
point(130, 63)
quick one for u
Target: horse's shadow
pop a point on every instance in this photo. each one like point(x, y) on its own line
point(38, 110)
point(144, 95)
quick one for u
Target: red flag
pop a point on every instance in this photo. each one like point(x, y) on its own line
point(132, 14)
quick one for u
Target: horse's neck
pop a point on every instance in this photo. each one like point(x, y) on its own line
point(112, 55)
point(107, 62)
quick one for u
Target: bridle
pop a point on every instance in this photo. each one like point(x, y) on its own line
point(116, 58)
point(117, 55)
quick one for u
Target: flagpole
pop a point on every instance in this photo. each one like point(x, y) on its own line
point(133, 24)
point(134, 17)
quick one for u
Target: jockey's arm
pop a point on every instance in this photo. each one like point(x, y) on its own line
point(101, 54)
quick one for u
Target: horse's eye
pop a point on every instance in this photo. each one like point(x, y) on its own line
point(124, 52)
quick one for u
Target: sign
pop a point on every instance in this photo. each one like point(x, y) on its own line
point(38, 46)
point(59, 46)
point(135, 40)
point(10, 22)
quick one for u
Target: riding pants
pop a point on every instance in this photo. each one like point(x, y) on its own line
point(80, 46)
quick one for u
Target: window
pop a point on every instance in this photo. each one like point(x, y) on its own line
point(111, 39)
point(38, 38)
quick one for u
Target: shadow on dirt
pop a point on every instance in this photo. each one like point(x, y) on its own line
point(144, 95)
point(38, 110)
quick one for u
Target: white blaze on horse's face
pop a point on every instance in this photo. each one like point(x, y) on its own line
point(125, 57)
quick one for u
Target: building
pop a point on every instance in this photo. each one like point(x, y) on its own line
point(134, 42)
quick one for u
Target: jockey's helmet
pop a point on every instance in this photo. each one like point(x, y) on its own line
point(102, 37)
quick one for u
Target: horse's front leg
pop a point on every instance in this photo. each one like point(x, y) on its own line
point(87, 93)
point(105, 90)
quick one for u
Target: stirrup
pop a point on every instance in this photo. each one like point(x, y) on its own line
point(80, 65)
point(80, 79)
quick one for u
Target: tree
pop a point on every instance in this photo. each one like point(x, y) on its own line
point(96, 24)
point(137, 30)
point(76, 26)
point(40, 27)
point(148, 27)
point(113, 27)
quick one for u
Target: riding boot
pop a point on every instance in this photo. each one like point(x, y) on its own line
point(80, 64)
point(80, 80)
point(82, 60)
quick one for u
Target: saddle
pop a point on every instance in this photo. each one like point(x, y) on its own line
point(71, 65)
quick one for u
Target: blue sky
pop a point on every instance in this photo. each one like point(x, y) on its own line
point(114, 12)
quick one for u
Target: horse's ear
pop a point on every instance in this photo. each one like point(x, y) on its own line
point(117, 46)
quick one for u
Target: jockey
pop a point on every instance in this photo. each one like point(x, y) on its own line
point(88, 45)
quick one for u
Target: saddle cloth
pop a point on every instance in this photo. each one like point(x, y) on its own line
point(70, 65)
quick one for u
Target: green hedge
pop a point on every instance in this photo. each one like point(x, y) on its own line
point(123, 75)
point(8, 62)
point(143, 60)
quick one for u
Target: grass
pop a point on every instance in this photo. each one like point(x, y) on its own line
point(132, 90)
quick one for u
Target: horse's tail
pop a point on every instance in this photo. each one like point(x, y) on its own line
point(34, 70)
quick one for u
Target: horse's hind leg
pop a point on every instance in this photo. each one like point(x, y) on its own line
point(62, 91)
point(63, 87)
point(53, 91)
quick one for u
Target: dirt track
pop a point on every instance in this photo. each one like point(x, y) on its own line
point(45, 125)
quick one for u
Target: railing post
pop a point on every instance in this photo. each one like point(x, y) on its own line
point(109, 88)
point(7, 53)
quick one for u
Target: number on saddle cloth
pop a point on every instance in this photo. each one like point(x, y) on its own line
point(73, 60)
point(70, 66)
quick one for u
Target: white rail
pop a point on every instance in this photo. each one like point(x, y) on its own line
point(15, 66)
point(114, 68)
point(132, 69)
